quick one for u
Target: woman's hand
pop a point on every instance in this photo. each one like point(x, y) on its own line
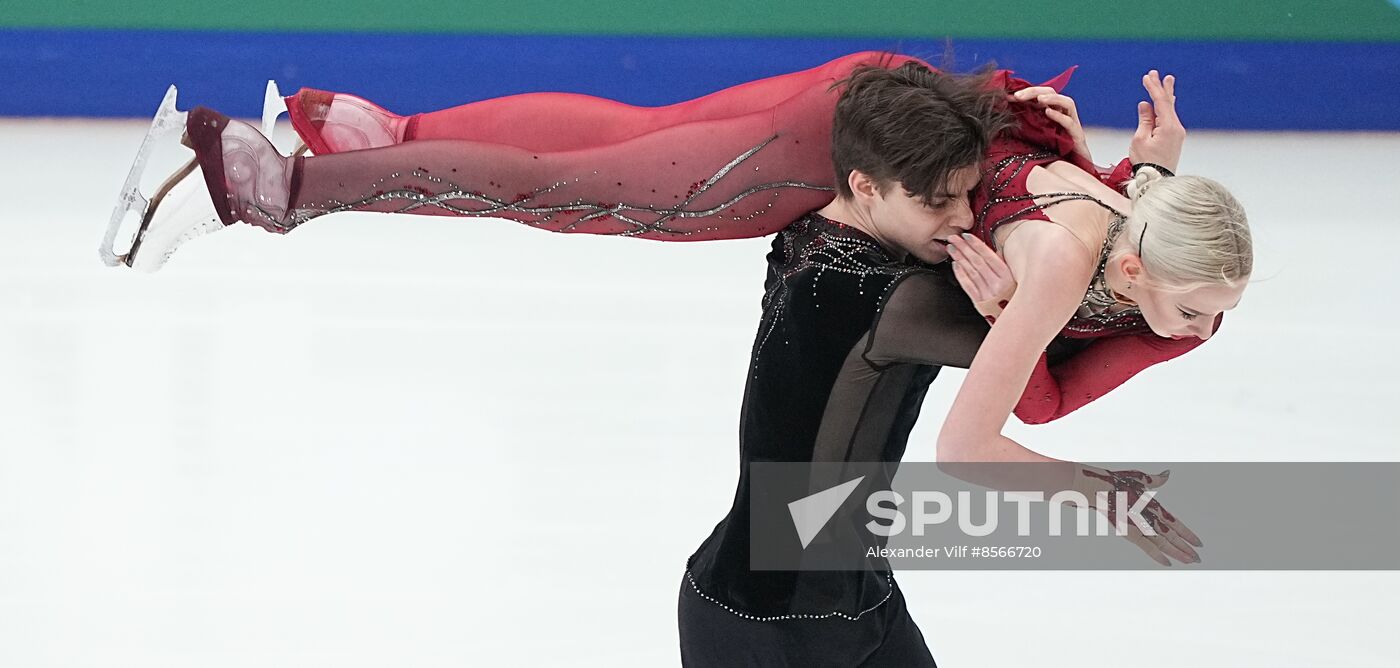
point(983, 275)
point(1173, 540)
point(1060, 108)
point(1160, 133)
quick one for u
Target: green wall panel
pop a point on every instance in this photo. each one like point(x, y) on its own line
point(1344, 20)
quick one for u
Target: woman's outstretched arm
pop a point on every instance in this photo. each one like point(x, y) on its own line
point(927, 319)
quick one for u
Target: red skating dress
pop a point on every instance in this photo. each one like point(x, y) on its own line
point(1110, 344)
point(738, 163)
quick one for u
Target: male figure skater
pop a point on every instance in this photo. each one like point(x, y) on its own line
point(860, 312)
point(857, 321)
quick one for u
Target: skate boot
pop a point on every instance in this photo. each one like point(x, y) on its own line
point(234, 174)
point(336, 122)
point(248, 179)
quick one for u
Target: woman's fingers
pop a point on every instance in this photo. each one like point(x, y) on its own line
point(1147, 120)
point(1032, 92)
point(963, 262)
point(1186, 533)
point(1046, 96)
point(1162, 543)
point(1057, 100)
point(977, 265)
point(991, 263)
point(1163, 100)
point(1181, 545)
point(1153, 83)
point(1050, 99)
point(1148, 547)
point(968, 283)
point(1155, 481)
point(1173, 530)
point(1065, 120)
point(1162, 550)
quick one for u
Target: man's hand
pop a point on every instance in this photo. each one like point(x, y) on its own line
point(1160, 133)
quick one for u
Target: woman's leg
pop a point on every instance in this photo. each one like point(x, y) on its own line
point(335, 122)
point(724, 178)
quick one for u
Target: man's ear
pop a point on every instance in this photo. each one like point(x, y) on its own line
point(862, 185)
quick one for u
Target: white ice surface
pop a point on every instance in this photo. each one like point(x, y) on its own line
point(422, 441)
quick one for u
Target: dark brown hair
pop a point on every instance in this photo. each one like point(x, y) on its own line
point(913, 125)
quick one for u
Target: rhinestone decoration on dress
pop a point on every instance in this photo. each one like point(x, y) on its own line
point(1099, 312)
point(638, 218)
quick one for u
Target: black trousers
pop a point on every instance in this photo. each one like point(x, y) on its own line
point(884, 637)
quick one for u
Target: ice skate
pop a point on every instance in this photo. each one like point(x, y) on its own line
point(274, 105)
point(248, 179)
point(337, 122)
point(177, 211)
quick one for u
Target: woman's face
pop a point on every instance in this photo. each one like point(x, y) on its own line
point(1178, 314)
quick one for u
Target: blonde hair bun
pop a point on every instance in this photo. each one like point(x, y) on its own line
point(1188, 230)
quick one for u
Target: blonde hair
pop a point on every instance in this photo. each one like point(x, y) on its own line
point(1193, 230)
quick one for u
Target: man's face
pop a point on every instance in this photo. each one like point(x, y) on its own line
point(904, 221)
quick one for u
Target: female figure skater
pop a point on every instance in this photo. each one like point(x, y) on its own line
point(743, 162)
point(907, 146)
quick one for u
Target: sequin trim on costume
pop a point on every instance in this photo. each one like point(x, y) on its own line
point(1095, 314)
point(827, 250)
point(773, 618)
point(624, 212)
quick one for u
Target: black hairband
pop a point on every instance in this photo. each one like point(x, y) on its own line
point(1160, 170)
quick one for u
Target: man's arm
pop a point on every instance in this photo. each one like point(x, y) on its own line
point(927, 319)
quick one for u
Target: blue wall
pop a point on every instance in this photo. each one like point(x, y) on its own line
point(1222, 84)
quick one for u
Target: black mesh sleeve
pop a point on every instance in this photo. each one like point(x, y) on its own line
point(926, 319)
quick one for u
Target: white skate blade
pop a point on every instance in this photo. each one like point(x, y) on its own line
point(273, 106)
point(184, 213)
point(168, 120)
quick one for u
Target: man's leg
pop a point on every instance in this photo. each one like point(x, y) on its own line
point(903, 645)
point(711, 636)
